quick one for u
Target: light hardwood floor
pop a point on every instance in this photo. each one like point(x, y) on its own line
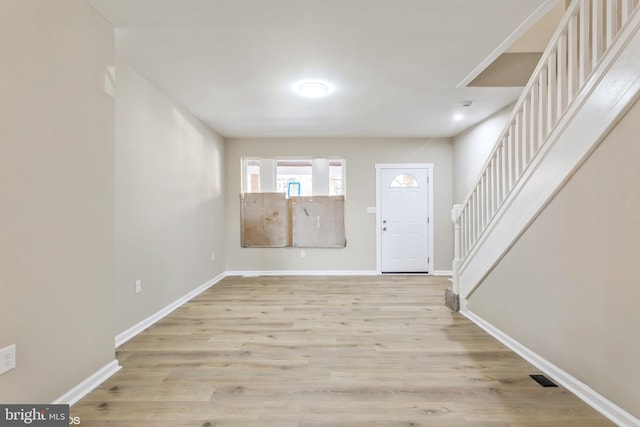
point(324, 351)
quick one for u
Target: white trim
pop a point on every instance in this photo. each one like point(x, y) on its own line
point(463, 304)
point(581, 390)
point(125, 336)
point(442, 273)
point(432, 221)
point(89, 384)
point(430, 227)
point(506, 44)
point(611, 91)
point(404, 166)
point(256, 273)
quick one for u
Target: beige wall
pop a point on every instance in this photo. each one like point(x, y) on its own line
point(169, 200)
point(57, 196)
point(568, 289)
point(471, 149)
point(361, 156)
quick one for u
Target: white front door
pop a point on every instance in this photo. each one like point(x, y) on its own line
point(403, 220)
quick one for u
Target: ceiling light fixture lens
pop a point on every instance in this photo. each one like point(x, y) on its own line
point(458, 117)
point(313, 89)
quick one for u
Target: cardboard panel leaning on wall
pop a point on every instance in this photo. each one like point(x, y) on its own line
point(264, 220)
point(318, 222)
point(270, 220)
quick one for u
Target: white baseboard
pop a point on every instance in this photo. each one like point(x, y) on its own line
point(136, 329)
point(463, 305)
point(86, 386)
point(442, 273)
point(254, 273)
point(581, 390)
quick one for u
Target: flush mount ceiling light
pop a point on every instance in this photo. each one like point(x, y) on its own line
point(313, 89)
point(458, 117)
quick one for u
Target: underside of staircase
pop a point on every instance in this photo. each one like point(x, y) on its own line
point(586, 81)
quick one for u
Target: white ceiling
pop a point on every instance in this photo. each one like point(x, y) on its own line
point(395, 64)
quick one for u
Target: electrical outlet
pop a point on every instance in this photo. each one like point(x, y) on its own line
point(213, 256)
point(138, 286)
point(303, 253)
point(7, 358)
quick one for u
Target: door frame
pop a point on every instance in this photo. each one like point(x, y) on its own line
point(429, 168)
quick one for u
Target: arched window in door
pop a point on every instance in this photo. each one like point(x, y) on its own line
point(404, 180)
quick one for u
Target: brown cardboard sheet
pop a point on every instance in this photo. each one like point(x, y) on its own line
point(270, 220)
point(318, 222)
point(264, 220)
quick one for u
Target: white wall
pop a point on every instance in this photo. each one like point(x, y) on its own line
point(169, 200)
point(471, 149)
point(57, 196)
point(568, 288)
point(361, 156)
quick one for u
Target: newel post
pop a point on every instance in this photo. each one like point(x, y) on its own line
point(452, 295)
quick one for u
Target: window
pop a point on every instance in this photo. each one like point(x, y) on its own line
point(252, 176)
point(335, 177)
point(294, 176)
point(404, 180)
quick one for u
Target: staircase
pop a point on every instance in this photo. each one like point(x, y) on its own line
point(586, 80)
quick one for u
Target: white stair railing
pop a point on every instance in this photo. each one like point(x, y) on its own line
point(587, 30)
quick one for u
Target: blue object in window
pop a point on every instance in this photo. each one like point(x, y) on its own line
point(293, 189)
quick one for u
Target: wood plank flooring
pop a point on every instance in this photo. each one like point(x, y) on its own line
point(324, 351)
